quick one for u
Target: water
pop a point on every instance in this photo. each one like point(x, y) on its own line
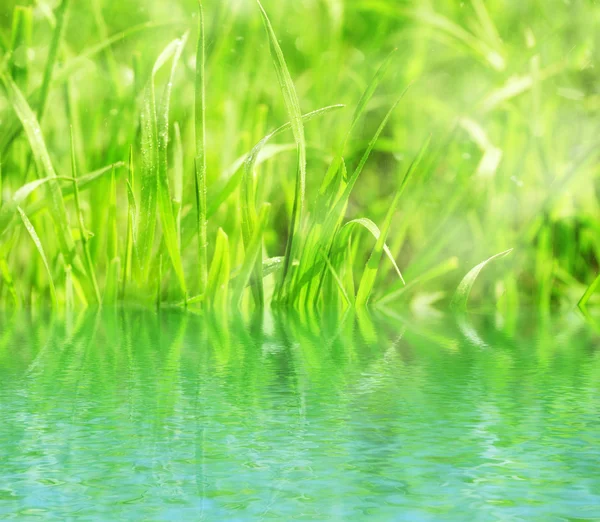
point(134, 416)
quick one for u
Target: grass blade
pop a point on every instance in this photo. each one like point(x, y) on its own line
point(8, 210)
point(178, 181)
point(154, 186)
point(588, 293)
point(248, 197)
point(20, 44)
point(437, 271)
point(370, 273)
point(252, 254)
point(293, 108)
point(57, 36)
point(82, 230)
point(461, 296)
point(337, 279)
point(44, 165)
point(200, 162)
point(83, 183)
point(131, 253)
point(38, 245)
point(370, 226)
point(261, 152)
point(218, 279)
point(358, 112)
point(149, 182)
point(165, 203)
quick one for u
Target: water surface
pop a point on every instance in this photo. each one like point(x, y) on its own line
point(131, 415)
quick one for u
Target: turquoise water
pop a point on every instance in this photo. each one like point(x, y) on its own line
point(138, 416)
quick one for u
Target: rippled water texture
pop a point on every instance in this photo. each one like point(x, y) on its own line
point(138, 416)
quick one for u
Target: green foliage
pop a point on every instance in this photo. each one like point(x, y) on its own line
point(241, 199)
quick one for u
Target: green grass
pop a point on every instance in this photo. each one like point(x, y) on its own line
point(315, 155)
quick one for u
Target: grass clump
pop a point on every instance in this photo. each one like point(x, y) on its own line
point(220, 178)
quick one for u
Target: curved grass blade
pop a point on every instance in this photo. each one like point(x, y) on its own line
point(9, 209)
point(44, 165)
point(293, 108)
point(38, 245)
point(375, 232)
point(461, 296)
point(336, 213)
point(83, 183)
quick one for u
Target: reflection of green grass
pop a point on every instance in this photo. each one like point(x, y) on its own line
point(206, 217)
point(243, 414)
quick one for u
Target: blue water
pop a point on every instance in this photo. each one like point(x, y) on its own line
point(139, 416)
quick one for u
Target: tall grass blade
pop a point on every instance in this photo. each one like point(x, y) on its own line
point(131, 253)
point(165, 203)
point(154, 187)
point(293, 108)
point(200, 162)
point(149, 183)
point(336, 211)
point(178, 180)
